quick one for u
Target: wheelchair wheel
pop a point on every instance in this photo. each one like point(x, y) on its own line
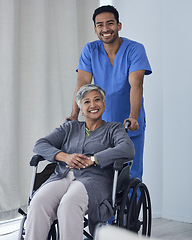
point(54, 231)
point(21, 233)
point(135, 208)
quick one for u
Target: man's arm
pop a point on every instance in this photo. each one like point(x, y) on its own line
point(83, 78)
point(136, 94)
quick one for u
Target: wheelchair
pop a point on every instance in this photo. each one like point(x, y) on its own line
point(130, 200)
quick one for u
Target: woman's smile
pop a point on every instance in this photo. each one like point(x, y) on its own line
point(94, 111)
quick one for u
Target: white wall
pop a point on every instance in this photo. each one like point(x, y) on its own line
point(164, 29)
point(177, 84)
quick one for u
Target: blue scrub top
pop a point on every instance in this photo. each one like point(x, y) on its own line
point(130, 57)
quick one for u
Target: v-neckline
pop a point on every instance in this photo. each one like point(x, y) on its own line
point(115, 55)
point(93, 130)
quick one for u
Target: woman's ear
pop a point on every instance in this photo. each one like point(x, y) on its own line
point(82, 112)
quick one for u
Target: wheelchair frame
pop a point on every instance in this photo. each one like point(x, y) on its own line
point(130, 200)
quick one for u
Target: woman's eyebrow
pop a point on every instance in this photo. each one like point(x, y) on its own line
point(85, 99)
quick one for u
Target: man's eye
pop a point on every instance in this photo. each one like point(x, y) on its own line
point(99, 25)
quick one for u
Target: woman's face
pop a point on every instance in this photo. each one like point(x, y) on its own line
point(92, 105)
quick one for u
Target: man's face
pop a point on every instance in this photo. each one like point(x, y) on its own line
point(106, 27)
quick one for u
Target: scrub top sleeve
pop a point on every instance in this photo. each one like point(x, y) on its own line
point(85, 60)
point(139, 60)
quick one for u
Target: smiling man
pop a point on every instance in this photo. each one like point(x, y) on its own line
point(118, 65)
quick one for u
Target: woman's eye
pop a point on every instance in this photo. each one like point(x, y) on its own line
point(97, 99)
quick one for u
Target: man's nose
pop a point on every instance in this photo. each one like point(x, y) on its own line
point(105, 27)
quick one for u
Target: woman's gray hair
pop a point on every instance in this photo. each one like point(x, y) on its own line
point(86, 89)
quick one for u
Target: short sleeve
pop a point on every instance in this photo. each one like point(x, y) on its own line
point(85, 60)
point(139, 60)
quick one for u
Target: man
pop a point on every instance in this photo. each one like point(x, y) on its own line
point(118, 65)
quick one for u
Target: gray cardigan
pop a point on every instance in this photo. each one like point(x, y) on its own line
point(108, 143)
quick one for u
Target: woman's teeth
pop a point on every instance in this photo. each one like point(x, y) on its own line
point(93, 111)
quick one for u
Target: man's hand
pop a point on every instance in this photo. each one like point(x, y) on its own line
point(71, 118)
point(134, 124)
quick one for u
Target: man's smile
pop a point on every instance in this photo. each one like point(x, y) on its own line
point(106, 34)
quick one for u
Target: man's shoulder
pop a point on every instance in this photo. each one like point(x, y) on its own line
point(94, 45)
point(131, 43)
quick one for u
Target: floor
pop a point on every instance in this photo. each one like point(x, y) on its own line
point(167, 229)
point(9, 230)
point(161, 229)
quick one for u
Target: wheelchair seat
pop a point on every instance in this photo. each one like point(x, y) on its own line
point(130, 200)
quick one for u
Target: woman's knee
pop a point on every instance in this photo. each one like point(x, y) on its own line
point(74, 201)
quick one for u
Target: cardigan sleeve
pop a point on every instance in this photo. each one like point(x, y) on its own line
point(121, 147)
point(50, 145)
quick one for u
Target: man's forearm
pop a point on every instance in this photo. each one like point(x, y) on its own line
point(136, 95)
point(83, 78)
point(75, 108)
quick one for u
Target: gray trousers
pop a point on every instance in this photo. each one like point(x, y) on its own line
point(65, 200)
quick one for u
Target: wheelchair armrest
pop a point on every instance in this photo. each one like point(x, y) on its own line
point(118, 164)
point(35, 160)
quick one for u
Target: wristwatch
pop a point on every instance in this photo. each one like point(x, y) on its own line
point(93, 160)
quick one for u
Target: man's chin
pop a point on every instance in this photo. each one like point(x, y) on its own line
point(108, 41)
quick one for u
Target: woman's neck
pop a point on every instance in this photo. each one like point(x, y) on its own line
point(92, 125)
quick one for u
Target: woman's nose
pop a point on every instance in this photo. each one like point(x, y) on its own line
point(92, 103)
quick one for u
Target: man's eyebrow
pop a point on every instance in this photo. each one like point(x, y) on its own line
point(106, 21)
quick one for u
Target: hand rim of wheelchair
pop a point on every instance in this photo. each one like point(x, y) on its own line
point(132, 207)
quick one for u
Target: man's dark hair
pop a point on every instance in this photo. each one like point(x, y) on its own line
point(106, 8)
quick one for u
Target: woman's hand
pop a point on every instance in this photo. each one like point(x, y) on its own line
point(75, 160)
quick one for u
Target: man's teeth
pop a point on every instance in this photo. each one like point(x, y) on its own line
point(107, 35)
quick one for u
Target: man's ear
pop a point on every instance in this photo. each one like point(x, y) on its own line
point(95, 29)
point(119, 26)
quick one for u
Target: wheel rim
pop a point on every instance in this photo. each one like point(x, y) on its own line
point(135, 212)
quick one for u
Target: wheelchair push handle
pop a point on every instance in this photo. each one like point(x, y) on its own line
point(127, 124)
point(67, 120)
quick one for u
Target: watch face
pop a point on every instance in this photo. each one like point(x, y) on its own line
point(92, 159)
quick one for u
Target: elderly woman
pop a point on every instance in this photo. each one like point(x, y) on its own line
point(82, 181)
